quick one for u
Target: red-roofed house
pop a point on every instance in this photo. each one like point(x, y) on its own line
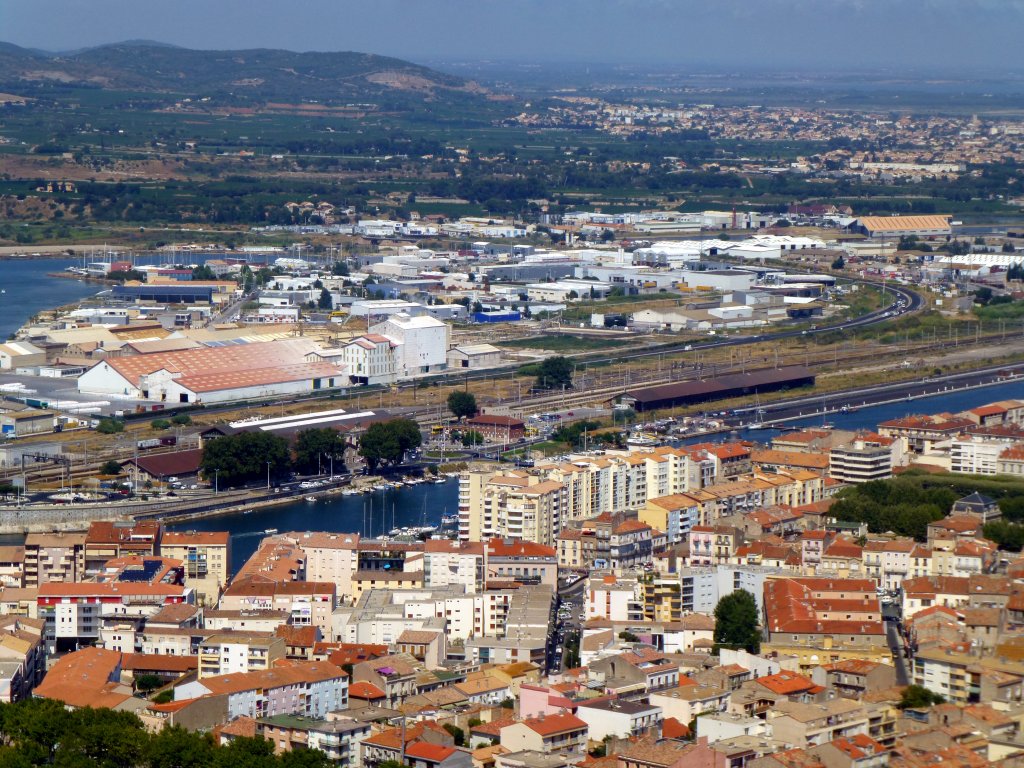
point(424, 755)
point(788, 684)
point(523, 561)
point(553, 734)
point(631, 544)
point(857, 751)
point(821, 620)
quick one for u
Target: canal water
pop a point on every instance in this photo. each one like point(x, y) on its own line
point(368, 514)
point(406, 507)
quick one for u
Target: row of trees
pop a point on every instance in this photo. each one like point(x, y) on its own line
point(901, 506)
point(42, 732)
point(252, 456)
point(386, 443)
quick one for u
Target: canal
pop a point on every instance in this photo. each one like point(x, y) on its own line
point(425, 504)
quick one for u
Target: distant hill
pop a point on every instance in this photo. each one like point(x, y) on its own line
point(247, 75)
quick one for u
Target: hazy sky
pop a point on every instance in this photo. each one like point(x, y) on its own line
point(926, 35)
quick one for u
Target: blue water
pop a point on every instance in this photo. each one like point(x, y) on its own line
point(372, 514)
point(869, 417)
point(27, 290)
point(369, 514)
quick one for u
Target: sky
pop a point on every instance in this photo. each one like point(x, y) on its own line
point(919, 36)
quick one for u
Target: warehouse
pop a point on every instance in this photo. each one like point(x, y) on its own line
point(720, 388)
point(348, 423)
point(901, 226)
point(165, 294)
point(20, 354)
point(214, 374)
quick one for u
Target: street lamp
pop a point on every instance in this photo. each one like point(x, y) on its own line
point(268, 475)
point(216, 482)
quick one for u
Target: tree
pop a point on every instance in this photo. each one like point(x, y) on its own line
point(1006, 535)
point(147, 682)
point(839, 262)
point(181, 420)
point(472, 437)
point(918, 697)
point(174, 747)
point(386, 442)
point(160, 424)
point(242, 458)
point(312, 445)
point(462, 404)
point(340, 268)
point(554, 373)
point(326, 301)
point(110, 467)
point(457, 733)
point(203, 272)
point(110, 426)
point(736, 622)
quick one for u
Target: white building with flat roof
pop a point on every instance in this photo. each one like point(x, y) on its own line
point(421, 343)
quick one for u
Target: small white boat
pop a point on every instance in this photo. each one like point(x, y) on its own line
point(311, 498)
point(270, 531)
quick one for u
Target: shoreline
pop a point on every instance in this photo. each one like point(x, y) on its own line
point(80, 278)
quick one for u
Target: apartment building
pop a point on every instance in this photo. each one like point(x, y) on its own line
point(338, 738)
point(862, 460)
point(311, 689)
point(454, 562)
point(616, 598)
point(551, 734)
point(228, 653)
point(207, 558)
point(107, 540)
point(712, 545)
point(54, 557)
point(22, 657)
point(112, 609)
point(619, 719)
point(307, 603)
point(330, 557)
point(525, 562)
point(968, 678)
point(676, 515)
point(978, 454)
point(807, 725)
point(823, 620)
point(578, 489)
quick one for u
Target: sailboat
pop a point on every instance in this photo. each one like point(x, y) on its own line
point(758, 422)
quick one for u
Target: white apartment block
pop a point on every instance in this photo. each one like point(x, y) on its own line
point(977, 454)
point(536, 505)
point(421, 343)
point(331, 557)
point(370, 359)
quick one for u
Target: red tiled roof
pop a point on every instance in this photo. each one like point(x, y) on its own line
point(673, 729)
point(517, 548)
point(786, 683)
point(552, 724)
point(365, 690)
point(434, 753)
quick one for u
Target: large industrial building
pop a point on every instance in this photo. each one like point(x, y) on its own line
point(903, 226)
point(732, 385)
point(214, 374)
